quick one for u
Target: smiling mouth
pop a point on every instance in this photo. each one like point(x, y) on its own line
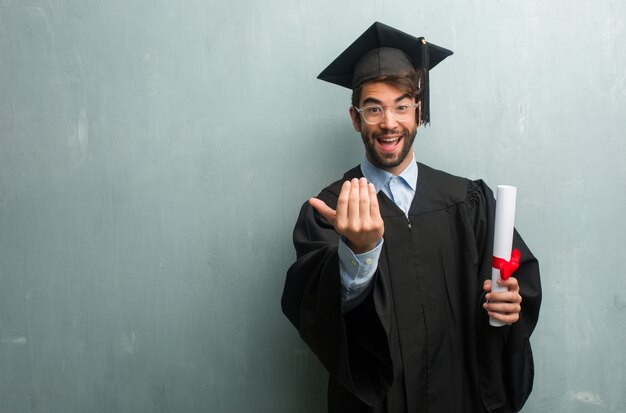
point(388, 144)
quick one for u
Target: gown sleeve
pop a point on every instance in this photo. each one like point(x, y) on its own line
point(505, 355)
point(353, 346)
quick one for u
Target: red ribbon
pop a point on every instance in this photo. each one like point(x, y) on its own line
point(507, 267)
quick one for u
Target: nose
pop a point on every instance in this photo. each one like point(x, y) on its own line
point(389, 120)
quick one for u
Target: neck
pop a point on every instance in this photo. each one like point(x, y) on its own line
point(396, 170)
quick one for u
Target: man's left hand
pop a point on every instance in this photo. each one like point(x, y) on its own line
point(503, 306)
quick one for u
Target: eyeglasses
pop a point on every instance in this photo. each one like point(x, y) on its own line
point(376, 113)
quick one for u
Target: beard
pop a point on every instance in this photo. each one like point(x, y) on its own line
point(388, 160)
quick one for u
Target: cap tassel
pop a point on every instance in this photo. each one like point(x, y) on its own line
point(425, 89)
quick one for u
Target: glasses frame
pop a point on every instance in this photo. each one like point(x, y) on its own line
point(384, 110)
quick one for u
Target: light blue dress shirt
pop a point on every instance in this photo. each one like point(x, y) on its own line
point(357, 270)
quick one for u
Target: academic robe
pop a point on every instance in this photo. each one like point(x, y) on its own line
point(420, 341)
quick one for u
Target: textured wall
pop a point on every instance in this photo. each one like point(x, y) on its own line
point(154, 155)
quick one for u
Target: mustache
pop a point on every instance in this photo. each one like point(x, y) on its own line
point(390, 133)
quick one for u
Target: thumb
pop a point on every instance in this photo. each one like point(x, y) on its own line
point(487, 285)
point(324, 210)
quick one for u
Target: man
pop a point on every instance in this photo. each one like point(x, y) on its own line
point(391, 288)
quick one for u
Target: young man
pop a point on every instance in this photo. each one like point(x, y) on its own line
point(391, 288)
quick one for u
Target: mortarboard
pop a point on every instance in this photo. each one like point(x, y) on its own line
point(382, 50)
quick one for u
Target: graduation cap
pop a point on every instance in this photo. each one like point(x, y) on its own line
point(381, 51)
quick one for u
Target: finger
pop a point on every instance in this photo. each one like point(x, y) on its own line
point(504, 318)
point(504, 297)
point(502, 307)
point(511, 283)
point(324, 210)
point(487, 285)
point(353, 205)
point(374, 207)
point(504, 312)
point(364, 200)
point(342, 207)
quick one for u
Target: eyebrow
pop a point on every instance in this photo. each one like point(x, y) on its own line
point(378, 102)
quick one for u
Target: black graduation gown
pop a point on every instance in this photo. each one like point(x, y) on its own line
point(420, 341)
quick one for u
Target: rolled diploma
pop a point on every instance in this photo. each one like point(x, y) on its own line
point(502, 235)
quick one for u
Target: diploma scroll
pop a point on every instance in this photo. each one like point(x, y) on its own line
point(503, 235)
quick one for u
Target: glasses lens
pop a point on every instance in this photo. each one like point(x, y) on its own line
point(373, 114)
point(402, 111)
point(376, 113)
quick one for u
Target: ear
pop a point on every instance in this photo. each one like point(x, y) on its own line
point(418, 113)
point(356, 119)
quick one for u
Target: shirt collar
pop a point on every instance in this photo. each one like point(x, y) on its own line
point(379, 177)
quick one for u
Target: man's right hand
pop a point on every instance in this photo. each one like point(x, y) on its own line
point(357, 217)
